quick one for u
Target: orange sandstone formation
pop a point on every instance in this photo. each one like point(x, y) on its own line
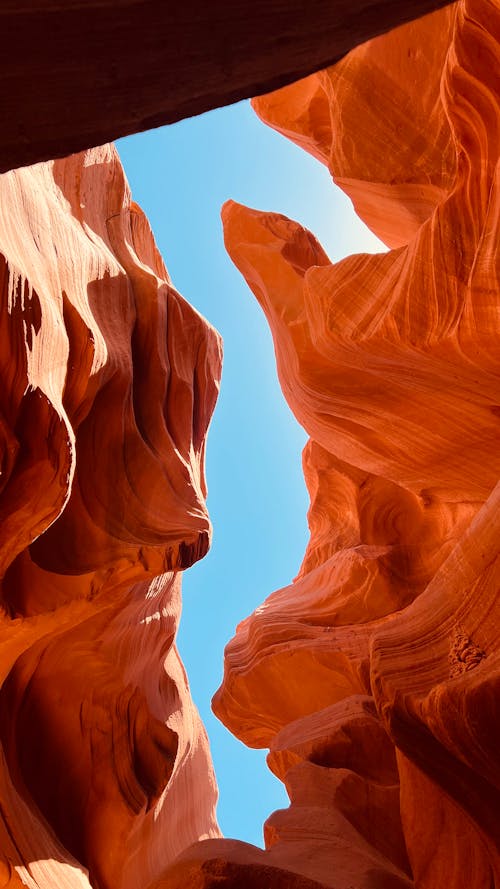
point(354, 124)
point(109, 379)
point(373, 678)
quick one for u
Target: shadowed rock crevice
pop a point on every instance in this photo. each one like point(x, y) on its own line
point(78, 74)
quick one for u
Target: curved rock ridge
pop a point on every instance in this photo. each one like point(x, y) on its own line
point(373, 677)
point(109, 379)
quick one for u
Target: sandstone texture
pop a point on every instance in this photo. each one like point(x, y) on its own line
point(109, 379)
point(374, 677)
point(77, 74)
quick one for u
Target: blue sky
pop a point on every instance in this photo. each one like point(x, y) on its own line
point(181, 175)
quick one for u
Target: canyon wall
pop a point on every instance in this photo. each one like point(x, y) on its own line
point(109, 379)
point(374, 677)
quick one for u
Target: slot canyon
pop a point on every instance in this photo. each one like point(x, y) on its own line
point(373, 679)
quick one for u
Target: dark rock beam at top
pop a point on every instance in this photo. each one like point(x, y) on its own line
point(78, 73)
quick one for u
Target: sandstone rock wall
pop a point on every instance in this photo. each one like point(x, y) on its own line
point(373, 678)
point(108, 382)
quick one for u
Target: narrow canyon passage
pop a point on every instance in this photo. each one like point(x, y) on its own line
point(256, 494)
point(366, 667)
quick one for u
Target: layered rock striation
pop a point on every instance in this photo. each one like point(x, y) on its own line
point(109, 378)
point(373, 677)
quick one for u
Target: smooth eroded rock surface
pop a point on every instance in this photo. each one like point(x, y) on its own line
point(109, 379)
point(373, 678)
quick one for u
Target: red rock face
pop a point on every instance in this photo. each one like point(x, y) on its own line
point(109, 379)
point(354, 124)
point(373, 678)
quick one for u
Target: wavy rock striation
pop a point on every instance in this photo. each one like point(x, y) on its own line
point(373, 678)
point(109, 379)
